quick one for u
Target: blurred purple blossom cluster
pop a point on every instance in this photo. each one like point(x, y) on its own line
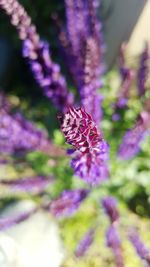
point(46, 72)
point(68, 202)
point(20, 135)
point(132, 139)
point(16, 133)
point(83, 47)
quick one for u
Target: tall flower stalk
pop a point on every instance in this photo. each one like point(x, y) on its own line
point(83, 47)
point(46, 72)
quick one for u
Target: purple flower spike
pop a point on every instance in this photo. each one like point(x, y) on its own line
point(142, 251)
point(85, 243)
point(89, 81)
point(127, 77)
point(20, 135)
point(8, 222)
point(46, 72)
point(110, 206)
point(68, 202)
point(34, 185)
point(130, 145)
point(114, 242)
point(82, 43)
point(143, 70)
point(89, 159)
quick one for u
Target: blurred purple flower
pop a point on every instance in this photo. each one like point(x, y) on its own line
point(68, 202)
point(110, 207)
point(83, 45)
point(132, 139)
point(127, 76)
point(143, 70)
point(142, 251)
point(113, 239)
point(34, 185)
point(90, 168)
point(8, 222)
point(84, 243)
point(20, 135)
point(114, 242)
point(91, 150)
point(46, 72)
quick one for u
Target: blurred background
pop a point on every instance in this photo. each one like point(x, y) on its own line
point(42, 240)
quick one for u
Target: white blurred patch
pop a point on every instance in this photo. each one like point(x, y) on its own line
point(34, 242)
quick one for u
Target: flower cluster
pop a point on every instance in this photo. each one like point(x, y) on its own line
point(19, 135)
point(91, 150)
point(83, 45)
point(45, 71)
